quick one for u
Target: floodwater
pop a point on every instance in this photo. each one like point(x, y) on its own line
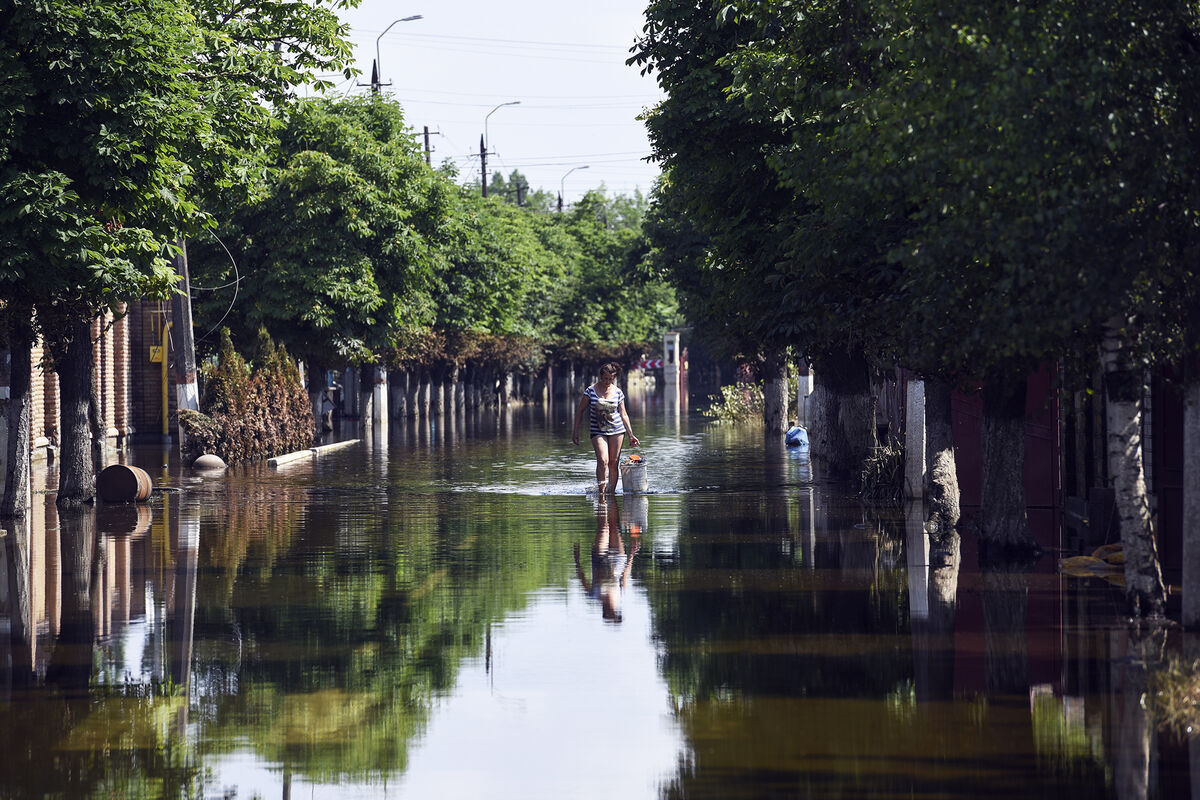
point(443, 611)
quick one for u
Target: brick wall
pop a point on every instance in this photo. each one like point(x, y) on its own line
point(145, 378)
point(111, 351)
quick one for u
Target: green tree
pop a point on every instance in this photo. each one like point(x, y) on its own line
point(613, 297)
point(1025, 179)
point(337, 256)
point(719, 182)
point(105, 159)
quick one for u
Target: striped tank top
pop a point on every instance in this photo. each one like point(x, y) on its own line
point(605, 417)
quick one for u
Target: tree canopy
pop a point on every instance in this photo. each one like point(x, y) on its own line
point(969, 191)
point(355, 251)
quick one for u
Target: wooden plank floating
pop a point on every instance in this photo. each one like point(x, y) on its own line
point(311, 453)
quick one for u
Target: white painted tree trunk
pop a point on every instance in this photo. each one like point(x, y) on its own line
point(941, 472)
point(1123, 390)
point(775, 393)
point(15, 499)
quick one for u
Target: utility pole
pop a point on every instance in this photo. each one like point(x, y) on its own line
point(483, 164)
point(186, 394)
point(483, 142)
point(427, 160)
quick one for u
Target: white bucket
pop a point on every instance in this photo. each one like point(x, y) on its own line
point(633, 477)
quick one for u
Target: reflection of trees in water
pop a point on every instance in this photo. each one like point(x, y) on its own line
point(348, 634)
point(766, 653)
point(797, 683)
point(16, 544)
point(70, 736)
point(733, 609)
point(1006, 642)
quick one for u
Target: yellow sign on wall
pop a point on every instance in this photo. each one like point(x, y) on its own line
point(156, 354)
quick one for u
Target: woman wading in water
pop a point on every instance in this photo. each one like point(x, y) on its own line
point(608, 423)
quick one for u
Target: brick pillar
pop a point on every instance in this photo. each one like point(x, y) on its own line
point(53, 429)
point(97, 334)
point(121, 384)
point(37, 397)
point(110, 378)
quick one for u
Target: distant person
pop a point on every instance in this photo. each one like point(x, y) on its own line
point(608, 422)
point(610, 564)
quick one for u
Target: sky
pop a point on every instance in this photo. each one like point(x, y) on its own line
point(563, 61)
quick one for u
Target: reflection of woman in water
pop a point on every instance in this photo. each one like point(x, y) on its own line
point(610, 564)
point(607, 424)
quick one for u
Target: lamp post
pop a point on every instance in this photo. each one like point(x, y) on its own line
point(484, 142)
point(562, 185)
point(377, 72)
point(493, 111)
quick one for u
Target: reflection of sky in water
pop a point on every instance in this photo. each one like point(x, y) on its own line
point(587, 719)
point(590, 718)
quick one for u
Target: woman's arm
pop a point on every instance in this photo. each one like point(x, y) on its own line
point(583, 404)
point(633, 440)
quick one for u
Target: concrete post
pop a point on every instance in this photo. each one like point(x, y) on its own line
point(379, 396)
point(803, 390)
point(671, 353)
point(914, 441)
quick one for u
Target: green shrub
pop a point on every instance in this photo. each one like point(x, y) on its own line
point(881, 481)
point(739, 402)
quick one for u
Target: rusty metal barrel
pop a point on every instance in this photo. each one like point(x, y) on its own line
point(122, 483)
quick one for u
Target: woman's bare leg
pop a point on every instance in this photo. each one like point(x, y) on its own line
point(600, 445)
point(614, 459)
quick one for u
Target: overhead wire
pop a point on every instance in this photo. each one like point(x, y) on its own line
point(236, 286)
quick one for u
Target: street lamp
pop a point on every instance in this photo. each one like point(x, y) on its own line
point(562, 185)
point(483, 144)
point(377, 77)
point(487, 142)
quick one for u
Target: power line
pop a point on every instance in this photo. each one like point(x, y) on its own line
point(513, 54)
point(492, 95)
point(526, 42)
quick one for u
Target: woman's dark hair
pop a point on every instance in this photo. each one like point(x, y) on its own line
point(611, 368)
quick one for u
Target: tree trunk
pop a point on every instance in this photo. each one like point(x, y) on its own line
point(424, 390)
point(1191, 502)
point(842, 433)
point(775, 393)
point(1004, 523)
point(941, 474)
point(507, 389)
point(411, 392)
point(1123, 389)
point(15, 502)
point(397, 392)
point(441, 397)
point(457, 398)
point(76, 473)
point(540, 383)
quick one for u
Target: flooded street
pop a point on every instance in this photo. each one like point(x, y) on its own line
point(443, 611)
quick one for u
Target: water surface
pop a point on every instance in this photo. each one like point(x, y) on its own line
point(445, 611)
